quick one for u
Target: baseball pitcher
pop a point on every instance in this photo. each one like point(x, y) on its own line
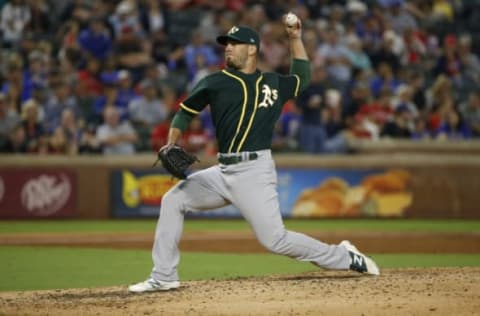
point(245, 103)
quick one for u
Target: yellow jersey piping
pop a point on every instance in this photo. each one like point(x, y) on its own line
point(244, 106)
point(186, 108)
point(298, 85)
point(253, 114)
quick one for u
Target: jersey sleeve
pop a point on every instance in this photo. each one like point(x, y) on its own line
point(297, 81)
point(197, 99)
point(289, 86)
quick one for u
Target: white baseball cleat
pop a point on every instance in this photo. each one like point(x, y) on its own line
point(360, 262)
point(151, 285)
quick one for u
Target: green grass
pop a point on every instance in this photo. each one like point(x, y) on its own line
point(34, 268)
point(240, 225)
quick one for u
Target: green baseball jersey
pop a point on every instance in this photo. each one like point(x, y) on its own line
point(244, 107)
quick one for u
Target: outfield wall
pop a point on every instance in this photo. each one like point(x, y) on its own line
point(443, 185)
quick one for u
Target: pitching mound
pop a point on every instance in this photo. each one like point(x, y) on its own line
point(439, 291)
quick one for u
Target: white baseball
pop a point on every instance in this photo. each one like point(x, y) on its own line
point(291, 19)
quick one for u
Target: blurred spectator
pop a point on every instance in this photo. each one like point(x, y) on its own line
point(145, 112)
point(58, 143)
point(61, 99)
point(14, 18)
point(385, 79)
point(147, 109)
point(272, 50)
point(449, 62)
point(316, 133)
point(8, 118)
point(89, 79)
point(15, 80)
point(78, 10)
point(332, 120)
point(255, 16)
point(401, 126)
point(13, 99)
point(118, 93)
point(203, 70)
point(40, 20)
point(442, 10)
point(453, 127)
point(125, 92)
point(416, 82)
point(196, 139)
point(88, 142)
point(336, 57)
point(132, 52)
point(358, 58)
point(159, 135)
point(414, 48)
point(115, 137)
point(371, 117)
point(109, 72)
point(335, 19)
point(471, 113)
point(16, 141)
point(190, 54)
point(441, 89)
point(38, 68)
point(403, 97)
point(152, 16)
point(126, 20)
point(36, 137)
point(108, 98)
point(69, 37)
point(469, 60)
point(398, 16)
point(439, 113)
point(370, 30)
point(359, 95)
point(96, 40)
point(72, 133)
point(421, 131)
point(157, 75)
point(286, 132)
point(389, 53)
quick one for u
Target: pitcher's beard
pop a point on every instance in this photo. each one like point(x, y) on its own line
point(230, 63)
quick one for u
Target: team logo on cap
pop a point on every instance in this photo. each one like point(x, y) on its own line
point(233, 30)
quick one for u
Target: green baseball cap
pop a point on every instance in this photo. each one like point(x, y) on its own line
point(241, 34)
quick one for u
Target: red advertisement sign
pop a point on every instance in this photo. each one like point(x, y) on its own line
point(37, 193)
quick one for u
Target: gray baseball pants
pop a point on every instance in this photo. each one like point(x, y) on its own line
point(251, 187)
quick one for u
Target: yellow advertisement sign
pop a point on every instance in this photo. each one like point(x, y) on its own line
point(146, 190)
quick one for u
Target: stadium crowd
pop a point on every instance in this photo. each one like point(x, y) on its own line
point(85, 76)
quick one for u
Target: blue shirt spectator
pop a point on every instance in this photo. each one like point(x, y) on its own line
point(96, 40)
point(57, 103)
point(453, 128)
point(118, 94)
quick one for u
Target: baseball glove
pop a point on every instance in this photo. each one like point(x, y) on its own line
point(176, 160)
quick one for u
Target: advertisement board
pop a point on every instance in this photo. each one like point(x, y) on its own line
point(302, 194)
point(37, 193)
point(138, 193)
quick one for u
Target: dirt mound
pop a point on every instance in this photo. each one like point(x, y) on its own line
point(438, 291)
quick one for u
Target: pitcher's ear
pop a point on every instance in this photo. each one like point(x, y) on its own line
point(252, 50)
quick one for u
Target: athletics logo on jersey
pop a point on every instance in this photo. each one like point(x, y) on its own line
point(270, 96)
point(233, 30)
